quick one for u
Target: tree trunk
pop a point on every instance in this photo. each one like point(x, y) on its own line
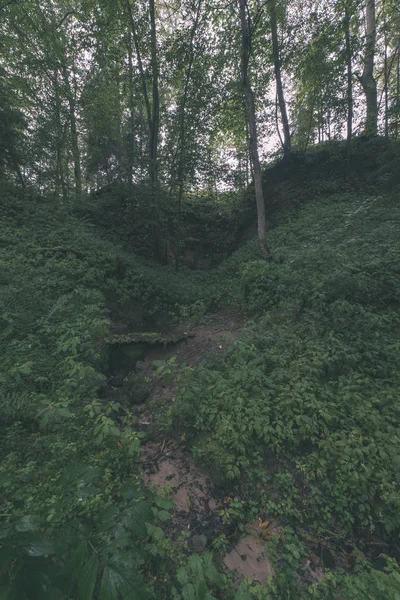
point(251, 118)
point(18, 171)
point(60, 178)
point(349, 76)
point(140, 66)
point(397, 96)
point(386, 89)
point(131, 146)
point(367, 78)
point(182, 130)
point(278, 78)
point(153, 119)
point(74, 134)
point(154, 132)
point(156, 98)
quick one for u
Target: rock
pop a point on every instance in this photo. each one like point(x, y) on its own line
point(199, 543)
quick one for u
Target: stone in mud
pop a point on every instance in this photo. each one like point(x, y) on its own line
point(199, 543)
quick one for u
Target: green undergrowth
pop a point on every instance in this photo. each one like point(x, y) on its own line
point(210, 224)
point(300, 417)
point(75, 521)
point(302, 412)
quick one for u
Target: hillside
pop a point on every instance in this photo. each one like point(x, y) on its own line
point(295, 422)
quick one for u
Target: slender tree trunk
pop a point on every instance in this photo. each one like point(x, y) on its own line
point(349, 76)
point(156, 98)
point(277, 122)
point(18, 171)
point(140, 66)
point(74, 134)
point(278, 77)
point(154, 134)
point(60, 178)
point(398, 97)
point(182, 130)
point(143, 161)
point(251, 117)
point(131, 147)
point(153, 119)
point(386, 89)
point(367, 79)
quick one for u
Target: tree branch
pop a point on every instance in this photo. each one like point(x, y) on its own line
point(71, 12)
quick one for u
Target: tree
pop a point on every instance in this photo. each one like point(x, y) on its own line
point(153, 116)
point(12, 128)
point(367, 78)
point(251, 117)
point(278, 76)
point(349, 68)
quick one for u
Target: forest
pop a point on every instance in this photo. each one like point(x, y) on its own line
point(199, 299)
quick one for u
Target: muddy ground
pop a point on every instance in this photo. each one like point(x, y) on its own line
point(169, 468)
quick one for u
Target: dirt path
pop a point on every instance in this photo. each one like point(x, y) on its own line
point(169, 468)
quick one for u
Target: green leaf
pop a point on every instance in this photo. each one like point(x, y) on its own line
point(79, 473)
point(87, 578)
point(63, 412)
point(159, 363)
point(163, 515)
point(5, 530)
point(118, 581)
point(131, 491)
point(29, 523)
point(201, 590)
point(156, 532)
point(38, 545)
point(182, 576)
point(210, 570)
point(143, 510)
point(164, 503)
point(78, 558)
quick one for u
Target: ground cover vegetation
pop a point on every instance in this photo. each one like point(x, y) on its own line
point(159, 163)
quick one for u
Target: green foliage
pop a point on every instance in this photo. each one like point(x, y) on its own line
point(208, 225)
point(197, 578)
point(75, 521)
point(302, 409)
point(306, 402)
point(100, 546)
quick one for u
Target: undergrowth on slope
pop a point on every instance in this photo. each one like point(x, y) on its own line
point(300, 418)
point(302, 412)
point(75, 520)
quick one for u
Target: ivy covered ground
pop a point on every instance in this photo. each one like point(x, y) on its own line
point(296, 422)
